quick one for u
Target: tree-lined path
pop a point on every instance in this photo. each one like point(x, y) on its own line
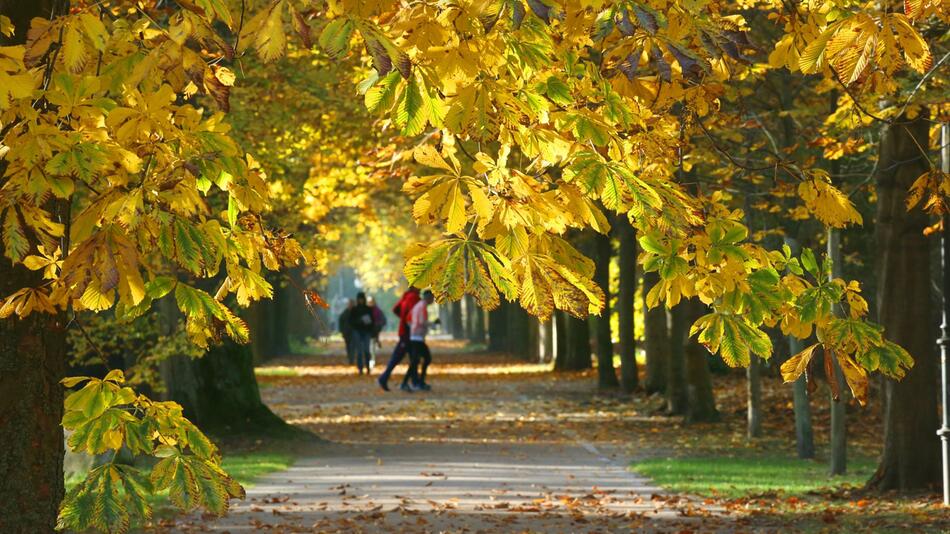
point(498, 445)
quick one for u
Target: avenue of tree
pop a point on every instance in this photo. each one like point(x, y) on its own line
point(757, 183)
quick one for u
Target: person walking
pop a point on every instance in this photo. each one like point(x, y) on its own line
point(419, 353)
point(346, 330)
point(379, 323)
point(361, 321)
point(402, 309)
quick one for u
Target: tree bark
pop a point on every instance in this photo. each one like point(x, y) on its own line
point(606, 374)
point(468, 312)
point(804, 435)
point(754, 398)
point(32, 362)
point(532, 337)
point(546, 341)
point(656, 341)
point(456, 328)
point(573, 345)
point(911, 457)
point(701, 402)
point(478, 323)
point(626, 296)
point(219, 393)
point(498, 328)
point(279, 325)
point(838, 464)
point(521, 339)
point(269, 325)
point(559, 319)
point(676, 391)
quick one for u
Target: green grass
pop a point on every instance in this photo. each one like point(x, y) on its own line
point(248, 467)
point(275, 371)
point(309, 347)
point(745, 476)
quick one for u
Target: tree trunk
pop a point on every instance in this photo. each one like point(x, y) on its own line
point(532, 338)
point(559, 319)
point(839, 427)
point(546, 341)
point(754, 398)
point(911, 457)
point(301, 323)
point(573, 345)
point(626, 295)
point(804, 435)
point(478, 323)
point(468, 312)
point(279, 325)
point(656, 341)
point(521, 339)
point(256, 318)
point(32, 362)
point(456, 328)
point(269, 325)
point(606, 374)
point(676, 392)
point(219, 393)
point(498, 328)
point(701, 403)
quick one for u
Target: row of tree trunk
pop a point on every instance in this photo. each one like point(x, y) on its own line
point(678, 367)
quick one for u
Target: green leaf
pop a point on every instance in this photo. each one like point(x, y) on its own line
point(810, 263)
point(422, 270)
point(410, 113)
point(72, 381)
point(91, 400)
point(15, 244)
point(381, 95)
point(558, 92)
point(160, 286)
point(889, 358)
point(652, 244)
point(732, 337)
point(335, 37)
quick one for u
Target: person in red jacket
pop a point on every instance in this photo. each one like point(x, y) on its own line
point(403, 310)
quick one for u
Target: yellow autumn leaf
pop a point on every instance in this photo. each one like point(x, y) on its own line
point(427, 155)
point(795, 366)
point(225, 76)
point(74, 49)
point(827, 203)
point(6, 27)
point(856, 377)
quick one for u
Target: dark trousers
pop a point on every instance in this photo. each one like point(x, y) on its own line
point(402, 348)
point(348, 343)
point(418, 353)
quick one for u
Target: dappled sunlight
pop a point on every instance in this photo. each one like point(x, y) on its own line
point(336, 370)
point(503, 445)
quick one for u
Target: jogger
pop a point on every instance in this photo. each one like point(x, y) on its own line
point(402, 310)
point(418, 350)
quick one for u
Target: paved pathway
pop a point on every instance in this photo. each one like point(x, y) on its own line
point(495, 448)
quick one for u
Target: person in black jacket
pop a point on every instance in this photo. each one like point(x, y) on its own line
point(363, 326)
point(346, 330)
